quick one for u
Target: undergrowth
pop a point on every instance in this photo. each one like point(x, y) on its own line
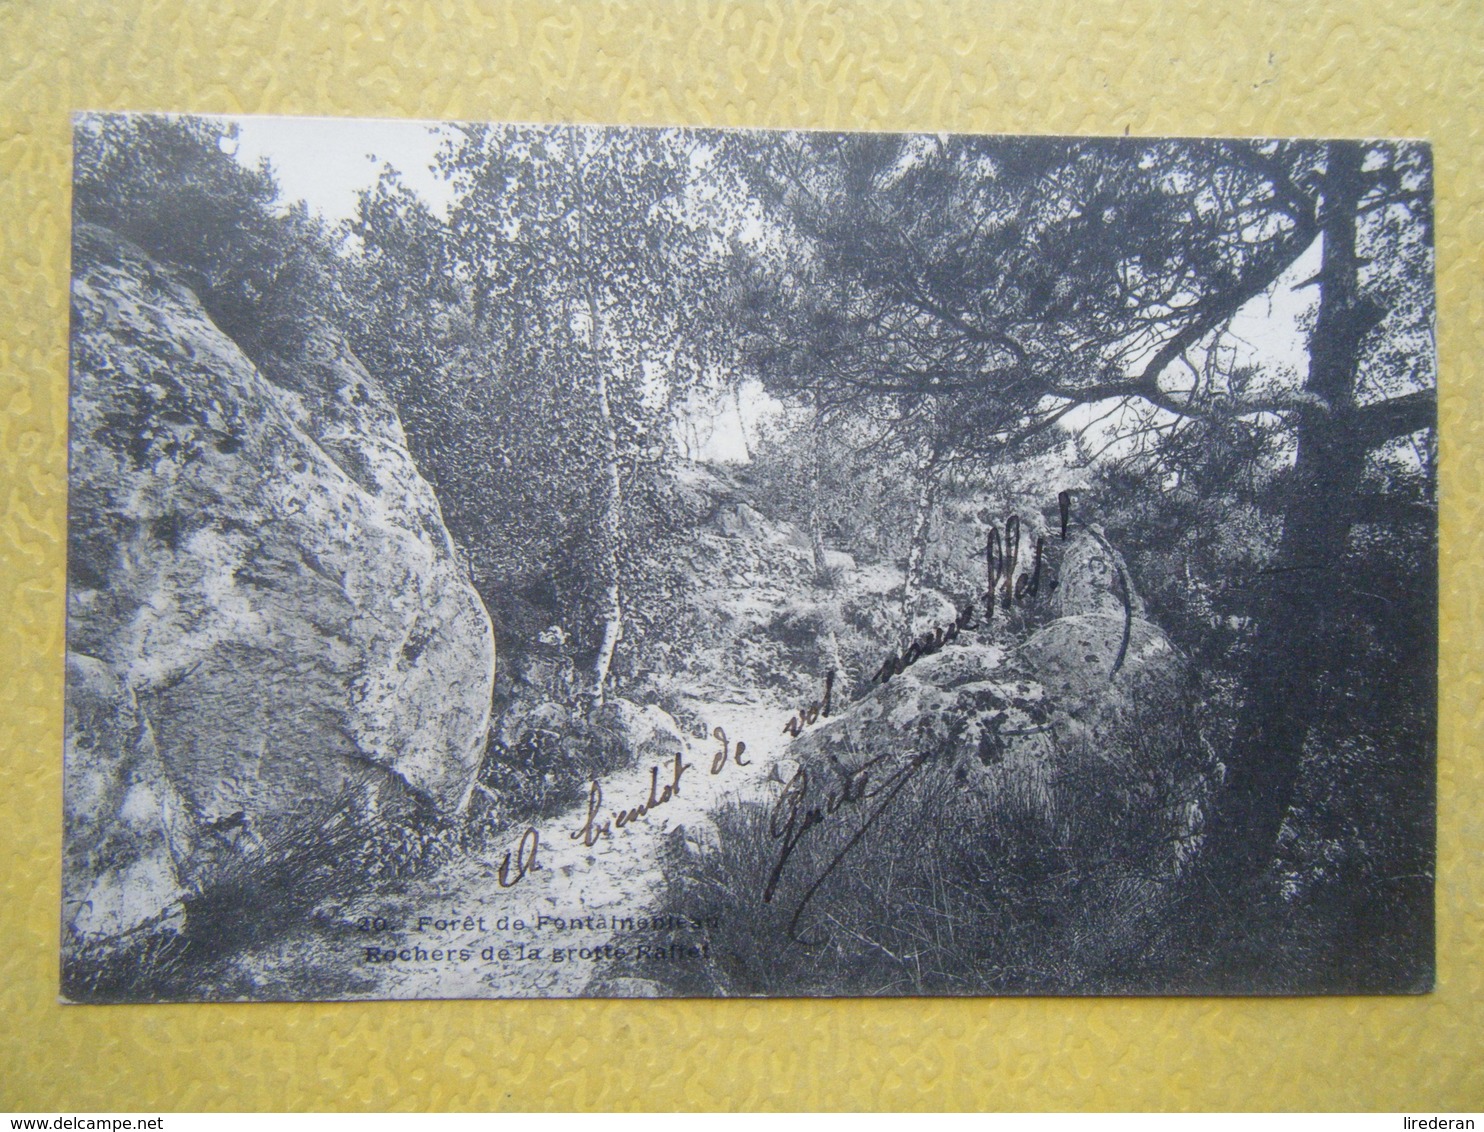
point(935, 885)
point(253, 894)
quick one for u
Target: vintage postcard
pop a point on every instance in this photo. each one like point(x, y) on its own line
point(550, 561)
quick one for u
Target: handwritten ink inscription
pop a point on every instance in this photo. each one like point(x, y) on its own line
point(1004, 588)
point(819, 709)
point(875, 781)
point(596, 827)
point(872, 786)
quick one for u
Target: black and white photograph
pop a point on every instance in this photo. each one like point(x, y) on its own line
point(556, 561)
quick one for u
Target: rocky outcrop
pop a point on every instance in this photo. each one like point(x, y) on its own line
point(128, 830)
point(1094, 578)
point(1124, 717)
point(1085, 728)
point(648, 731)
point(1102, 659)
point(966, 706)
point(260, 584)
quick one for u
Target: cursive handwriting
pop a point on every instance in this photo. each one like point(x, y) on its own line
point(1004, 586)
point(929, 643)
point(792, 819)
point(524, 857)
point(719, 760)
point(593, 828)
point(814, 712)
point(1000, 563)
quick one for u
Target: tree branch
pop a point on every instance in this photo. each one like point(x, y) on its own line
point(1377, 423)
point(1221, 308)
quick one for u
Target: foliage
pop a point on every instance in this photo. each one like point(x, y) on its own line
point(544, 769)
point(567, 256)
point(938, 318)
point(970, 295)
point(860, 495)
point(951, 891)
point(172, 185)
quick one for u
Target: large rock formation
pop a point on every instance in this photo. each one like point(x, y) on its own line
point(1123, 705)
point(970, 709)
point(1084, 729)
point(263, 605)
point(1101, 651)
point(1041, 796)
point(128, 831)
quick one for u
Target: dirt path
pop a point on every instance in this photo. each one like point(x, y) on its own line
point(460, 934)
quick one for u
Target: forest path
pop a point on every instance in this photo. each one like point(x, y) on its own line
point(504, 940)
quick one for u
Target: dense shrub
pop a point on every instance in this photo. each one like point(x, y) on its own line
point(955, 889)
point(172, 185)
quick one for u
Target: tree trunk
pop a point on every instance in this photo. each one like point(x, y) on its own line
point(1295, 648)
point(610, 530)
point(610, 519)
point(927, 493)
point(816, 526)
point(741, 421)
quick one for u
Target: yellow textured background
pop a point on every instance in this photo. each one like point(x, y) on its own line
point(1399, 68)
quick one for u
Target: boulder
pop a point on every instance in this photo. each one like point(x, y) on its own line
point(622, 731)
point(1093, 578)
point(547, 669)
point(695, 838)
point(1085, 662)
point(1088, 736)
point(649, 731)
point(1122, 707)
point(126, 830)
point(1102, 659)
point(838, 562)
point(260, 569)
point(967, 707)
point(742, 521)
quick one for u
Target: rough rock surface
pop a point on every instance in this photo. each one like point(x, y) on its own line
point(128, 830)
point(1084, 727)
point(259, 574)
point(1102, 654)
point(647, 733)
point(966, 706)
point(1093, 579)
